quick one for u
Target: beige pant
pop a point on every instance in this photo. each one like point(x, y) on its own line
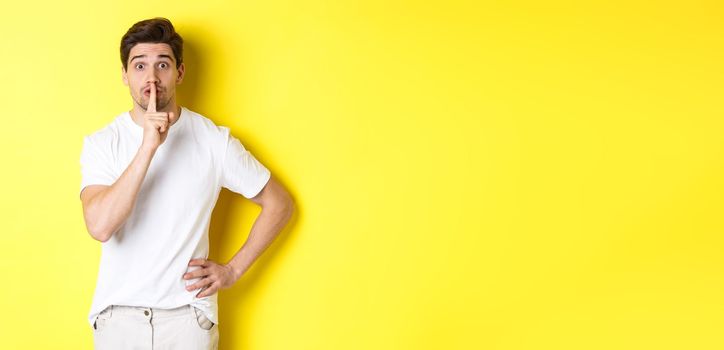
point(135, 327)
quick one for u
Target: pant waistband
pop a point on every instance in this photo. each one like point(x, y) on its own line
point(149, 312)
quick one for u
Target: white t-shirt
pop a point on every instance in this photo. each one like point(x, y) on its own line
point(143, 263)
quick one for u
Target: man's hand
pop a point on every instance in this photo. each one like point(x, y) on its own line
point(155, 124)
point(213, 277)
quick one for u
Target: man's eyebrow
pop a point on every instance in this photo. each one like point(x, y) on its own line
point(141, 56)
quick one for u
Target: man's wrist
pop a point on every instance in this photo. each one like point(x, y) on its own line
point(236, 272)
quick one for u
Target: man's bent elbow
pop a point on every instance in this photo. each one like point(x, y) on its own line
point(283, 208)
point(100, 234)
point(289, 208)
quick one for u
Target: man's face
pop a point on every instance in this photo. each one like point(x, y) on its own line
point(147, 63)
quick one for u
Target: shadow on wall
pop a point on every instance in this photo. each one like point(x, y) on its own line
point(187, 92)
point(221, 233)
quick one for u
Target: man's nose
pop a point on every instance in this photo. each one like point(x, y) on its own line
point(152, 78)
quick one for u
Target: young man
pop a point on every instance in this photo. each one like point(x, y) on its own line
point(150, 180)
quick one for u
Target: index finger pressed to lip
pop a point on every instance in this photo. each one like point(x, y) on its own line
point(152, 99)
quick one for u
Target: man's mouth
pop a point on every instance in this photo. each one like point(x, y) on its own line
point(147, 91)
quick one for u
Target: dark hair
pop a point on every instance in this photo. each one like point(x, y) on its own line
point(154, 30)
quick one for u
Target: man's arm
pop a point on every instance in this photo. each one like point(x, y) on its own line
point(277, 208)
point(106, 208)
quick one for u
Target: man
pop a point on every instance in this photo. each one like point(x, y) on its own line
point(150, 180)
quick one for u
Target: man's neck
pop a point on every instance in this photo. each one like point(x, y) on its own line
point(137, 113)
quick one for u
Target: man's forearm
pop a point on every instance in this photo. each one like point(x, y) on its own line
point(263, 232)
point(110, 208)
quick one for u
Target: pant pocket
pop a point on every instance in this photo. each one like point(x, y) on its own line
point(101, 320)
point(202, 321)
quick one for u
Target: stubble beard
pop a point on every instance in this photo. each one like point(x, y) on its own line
point(160, 104)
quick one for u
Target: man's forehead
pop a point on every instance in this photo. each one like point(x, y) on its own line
point(151, 50)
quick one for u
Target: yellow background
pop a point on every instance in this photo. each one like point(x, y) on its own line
point(469, 175)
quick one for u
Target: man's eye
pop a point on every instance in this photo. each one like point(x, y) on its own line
point(163, 65)
point(139, 66)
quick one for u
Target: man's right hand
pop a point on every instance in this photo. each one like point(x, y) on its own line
point(155, 124)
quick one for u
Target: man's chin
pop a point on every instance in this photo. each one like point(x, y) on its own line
point(158, 107)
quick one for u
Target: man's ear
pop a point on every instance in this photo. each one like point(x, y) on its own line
point(124, 76)
point(181, 73)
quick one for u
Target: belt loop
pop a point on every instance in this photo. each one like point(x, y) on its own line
point(110, 312)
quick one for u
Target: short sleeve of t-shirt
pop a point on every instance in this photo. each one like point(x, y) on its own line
point(96, 167)
point(241, 172)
